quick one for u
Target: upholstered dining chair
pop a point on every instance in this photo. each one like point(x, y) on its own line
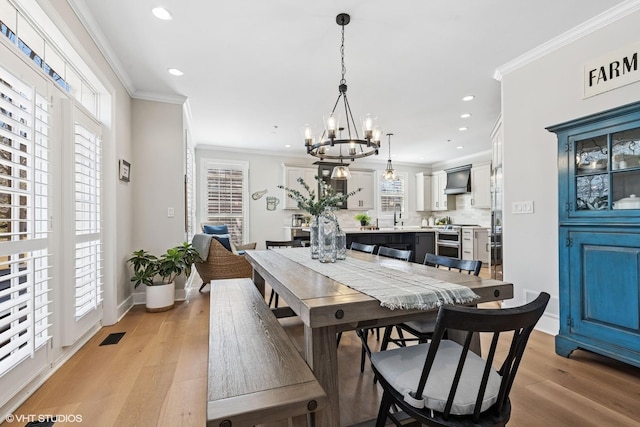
point(443, 383)
point(270, 244)
point(423, 329)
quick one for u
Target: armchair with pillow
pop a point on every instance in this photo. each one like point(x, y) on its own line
point(221, 259)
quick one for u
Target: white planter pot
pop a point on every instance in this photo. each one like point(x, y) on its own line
point(160, 297)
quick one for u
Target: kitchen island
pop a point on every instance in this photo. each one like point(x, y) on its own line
point(417, 239)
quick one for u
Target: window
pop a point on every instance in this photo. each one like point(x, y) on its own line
point(24, 214)
point(392, 194)
point(226, 197)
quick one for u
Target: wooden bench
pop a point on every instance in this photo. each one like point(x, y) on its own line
point(256, 374)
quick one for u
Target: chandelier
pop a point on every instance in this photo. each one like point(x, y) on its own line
point(332, 145)
point(389, 172)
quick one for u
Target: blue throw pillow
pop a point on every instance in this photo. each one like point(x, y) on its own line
point(224, 240)
point(216, 229)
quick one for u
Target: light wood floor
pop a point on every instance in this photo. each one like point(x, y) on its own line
point(156, 375)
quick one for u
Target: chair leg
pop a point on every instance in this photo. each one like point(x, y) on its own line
point(203, 285)
point(272, 297)
point(385, 404)
point(386, 337)
point(363, 355)
point(338, 339)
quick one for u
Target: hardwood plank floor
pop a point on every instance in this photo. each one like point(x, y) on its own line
point(156, 376)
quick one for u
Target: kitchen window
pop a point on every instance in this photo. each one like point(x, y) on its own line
point(392, 194)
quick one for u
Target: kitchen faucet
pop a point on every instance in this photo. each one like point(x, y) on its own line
point(397, 208)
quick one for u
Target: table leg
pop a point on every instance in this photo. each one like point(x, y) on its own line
point(259, 282)
point(321, 353)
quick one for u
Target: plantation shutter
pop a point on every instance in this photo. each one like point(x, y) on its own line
point(84, 238)
point(25, 316)
point(226, 198)
point(391, 194)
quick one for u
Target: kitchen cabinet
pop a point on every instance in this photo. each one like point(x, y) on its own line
point(291, 175)
point(362, 200)
point(481, 186)
point(423, 192)
point(599, 238)
point(475, 244)
point(439, 200)
point(424, 243)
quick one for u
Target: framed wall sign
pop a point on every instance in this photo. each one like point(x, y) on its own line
point(125, 170)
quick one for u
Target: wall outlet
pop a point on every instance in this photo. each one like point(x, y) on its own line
point(170, 213)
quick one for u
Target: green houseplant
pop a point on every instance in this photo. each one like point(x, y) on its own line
point(159, 273)
point(363, 218)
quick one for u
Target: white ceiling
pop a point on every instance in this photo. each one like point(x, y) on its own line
point(256, 71)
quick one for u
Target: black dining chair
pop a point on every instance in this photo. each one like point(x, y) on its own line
point(423, 329)
point(361, 247)
point(403, 254)
point(443, 383)
point(270, 244)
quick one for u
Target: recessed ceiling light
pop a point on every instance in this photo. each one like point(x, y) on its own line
point(463, 128)
point(460, 147)
point(287, 146)
point(465, 115)
point(162, 13)
point(175, 72)
point(468, 98)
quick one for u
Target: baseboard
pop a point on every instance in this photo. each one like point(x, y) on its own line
point(124, 307)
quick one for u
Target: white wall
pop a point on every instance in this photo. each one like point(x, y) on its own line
point(543, 93)
point(157, 175)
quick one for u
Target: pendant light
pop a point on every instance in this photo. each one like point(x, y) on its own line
point(389, 172)
point(330, 145)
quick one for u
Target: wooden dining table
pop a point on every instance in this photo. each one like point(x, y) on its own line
point(327, 307)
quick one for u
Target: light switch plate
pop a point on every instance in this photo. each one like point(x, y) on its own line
point(170, 212)
point(525, 207)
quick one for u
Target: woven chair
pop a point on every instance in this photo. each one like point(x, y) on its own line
point(223, 264)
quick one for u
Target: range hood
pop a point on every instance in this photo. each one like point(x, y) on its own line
point(458, 180)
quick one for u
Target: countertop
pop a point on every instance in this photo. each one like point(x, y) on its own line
point(400, 229)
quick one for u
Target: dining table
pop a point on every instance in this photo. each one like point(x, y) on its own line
point(328, 299)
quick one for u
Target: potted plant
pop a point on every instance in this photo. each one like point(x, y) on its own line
point(159, 273)
point(363, 218)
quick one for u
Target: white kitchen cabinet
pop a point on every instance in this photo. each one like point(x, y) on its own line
point(475, 244)
point(363, 200)
point(439, 200)
point(467, 244)
point(481, 186)
point(423, 192)
point(291, 175)
point(481, 249)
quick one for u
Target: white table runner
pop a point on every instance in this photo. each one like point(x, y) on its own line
point(394, 289)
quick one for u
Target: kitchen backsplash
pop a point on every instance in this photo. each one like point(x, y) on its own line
point(465, 214)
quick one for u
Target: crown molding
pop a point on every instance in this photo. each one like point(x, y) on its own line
point(89, 23)
point(159, 97)
point(590, 26)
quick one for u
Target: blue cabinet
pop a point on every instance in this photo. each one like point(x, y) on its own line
point(599, 234)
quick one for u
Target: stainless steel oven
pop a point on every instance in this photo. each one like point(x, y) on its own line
point(448, 242)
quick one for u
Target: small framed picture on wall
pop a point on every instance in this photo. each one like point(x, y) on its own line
point(125, 170)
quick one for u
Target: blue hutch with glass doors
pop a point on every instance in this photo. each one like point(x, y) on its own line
point(599, 233)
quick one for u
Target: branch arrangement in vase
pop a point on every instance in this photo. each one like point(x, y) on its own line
point(316, 204)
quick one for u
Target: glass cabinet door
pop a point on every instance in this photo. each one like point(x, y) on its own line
point(607, 172)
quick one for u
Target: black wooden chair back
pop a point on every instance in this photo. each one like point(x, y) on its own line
point(514, 324)
point(361, 247)
point(270, 244)
point(468, 265)
point(403, 254)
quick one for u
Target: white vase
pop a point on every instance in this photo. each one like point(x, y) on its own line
point(160, 297)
